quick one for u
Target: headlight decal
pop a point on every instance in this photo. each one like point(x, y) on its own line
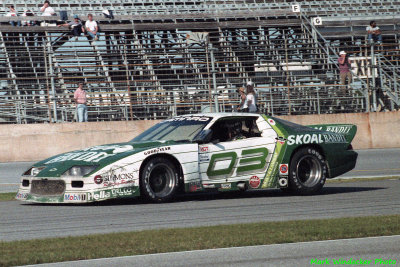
point(33, 171)
point(79, 170)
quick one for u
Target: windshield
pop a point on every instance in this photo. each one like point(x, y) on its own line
point(175, 129)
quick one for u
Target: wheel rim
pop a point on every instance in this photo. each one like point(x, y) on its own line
point(309, 170)
point(162, 180)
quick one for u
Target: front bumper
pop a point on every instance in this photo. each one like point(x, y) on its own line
point(61, 191)
point(80, 197)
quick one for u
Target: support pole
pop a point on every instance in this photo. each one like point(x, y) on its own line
point(373, 67)
point(214, 80)
point(52, 82)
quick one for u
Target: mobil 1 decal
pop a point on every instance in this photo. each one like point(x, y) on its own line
point(250, 160)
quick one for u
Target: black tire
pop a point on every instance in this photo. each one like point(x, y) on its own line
point(307, 171)
point(159, 180)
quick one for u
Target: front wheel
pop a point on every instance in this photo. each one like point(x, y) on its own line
point(307, 171)
point(159, 180)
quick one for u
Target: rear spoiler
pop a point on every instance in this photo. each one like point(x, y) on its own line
point(348, 130)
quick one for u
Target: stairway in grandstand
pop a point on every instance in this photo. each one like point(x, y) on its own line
point(349, 34)
point(144, 68)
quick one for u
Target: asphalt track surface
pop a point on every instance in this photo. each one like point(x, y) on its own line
point(370, 163)
point(29, 221)
point(371, 249)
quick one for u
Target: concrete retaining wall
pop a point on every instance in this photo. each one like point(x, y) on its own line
point(33, 142)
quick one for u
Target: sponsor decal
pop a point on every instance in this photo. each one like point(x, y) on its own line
point(194, 186)
point(315, 139)
point(204, 149)
point(98, 179)
point(254, 182)
point(157, 150)
point(281, 140)
point(271, 121)
point(207, 186)
point(118, 177)
point(21, 195)
point(226, 186)
point(204, 157)
point(188, 118)
point(114, 179)
point(283, 169)
point(91, 154)
point(81, 156)
point(110, 193)
point(74, 197)
point(341, 129)
point(116, 148)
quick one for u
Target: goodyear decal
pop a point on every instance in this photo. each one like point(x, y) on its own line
point(270, 178)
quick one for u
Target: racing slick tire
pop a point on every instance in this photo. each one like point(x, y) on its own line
point(159, 180)
point(307, 171)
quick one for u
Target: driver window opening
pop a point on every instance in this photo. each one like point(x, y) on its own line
point(233, 129)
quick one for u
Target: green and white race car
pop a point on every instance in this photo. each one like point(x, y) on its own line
point(193, 153)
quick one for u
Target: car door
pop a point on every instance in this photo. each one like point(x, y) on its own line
point(233, 160)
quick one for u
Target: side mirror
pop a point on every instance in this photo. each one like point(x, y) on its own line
point(204, 136)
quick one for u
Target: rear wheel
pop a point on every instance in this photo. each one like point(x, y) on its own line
point(159, 180)
point(307, 171)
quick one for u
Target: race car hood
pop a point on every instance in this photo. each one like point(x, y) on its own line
point(99, 156)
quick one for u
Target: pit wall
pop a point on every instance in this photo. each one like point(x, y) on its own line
point(33, 142)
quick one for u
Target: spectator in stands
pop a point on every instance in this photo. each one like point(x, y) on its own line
point(28, 13)
point(92, 28)
point(344, 69)
point(374, 33)
point(251, 98)
point(75, 26)
point(13, 13)
point(243, 103)
point(80, 100)
point(47, 10)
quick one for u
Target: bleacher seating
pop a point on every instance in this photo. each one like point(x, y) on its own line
point(137, 7)
point(144, 68)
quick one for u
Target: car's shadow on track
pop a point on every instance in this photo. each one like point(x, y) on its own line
point(208, 196)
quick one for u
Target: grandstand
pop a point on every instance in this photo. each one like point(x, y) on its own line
point(149, 64)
